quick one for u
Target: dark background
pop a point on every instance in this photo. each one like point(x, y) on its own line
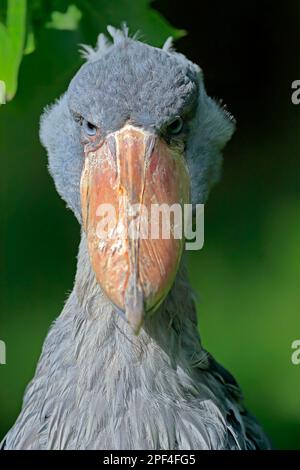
point(247, 276)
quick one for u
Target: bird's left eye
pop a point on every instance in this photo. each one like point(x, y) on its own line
point(89, 128)
point(175, 126)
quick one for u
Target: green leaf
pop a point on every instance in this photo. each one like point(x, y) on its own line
point(30, 42)
point(65, 21)
point(12, 38)
point(139, 16)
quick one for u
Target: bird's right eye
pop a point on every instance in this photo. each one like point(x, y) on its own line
point(88, 128)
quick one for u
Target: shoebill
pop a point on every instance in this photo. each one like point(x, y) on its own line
point(123, 366)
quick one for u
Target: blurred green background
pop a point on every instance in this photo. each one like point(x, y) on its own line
point(247, 276)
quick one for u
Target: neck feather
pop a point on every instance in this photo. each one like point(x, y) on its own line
point(171, 332)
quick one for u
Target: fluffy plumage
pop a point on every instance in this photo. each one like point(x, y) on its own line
point(97, 385)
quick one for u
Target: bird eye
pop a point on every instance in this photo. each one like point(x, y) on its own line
point(89, 128)
point(175, 127)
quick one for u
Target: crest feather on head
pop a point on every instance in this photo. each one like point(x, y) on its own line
point(118, 37)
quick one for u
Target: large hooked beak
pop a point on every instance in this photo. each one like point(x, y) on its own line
point(131, 173)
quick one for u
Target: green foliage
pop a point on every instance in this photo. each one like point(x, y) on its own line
point(138, 14)
point(65, 21)
point(22, 21)
point(12, 40)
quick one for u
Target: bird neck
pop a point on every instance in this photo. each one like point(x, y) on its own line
point(169, 337)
